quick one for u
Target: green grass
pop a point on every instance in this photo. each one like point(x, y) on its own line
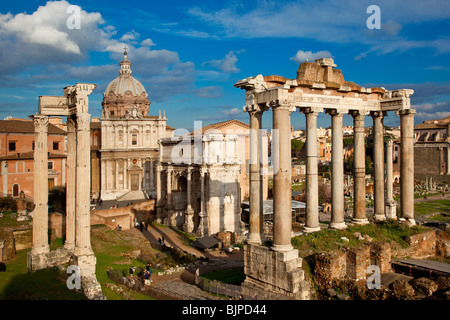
point(48, 284)
point(330, 239)
point(232, 276)
point(432, 207)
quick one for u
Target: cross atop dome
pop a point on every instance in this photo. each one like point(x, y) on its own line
point(125, 64)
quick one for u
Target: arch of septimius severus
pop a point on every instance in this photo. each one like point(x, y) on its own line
point(77, 248)
point(319, 87)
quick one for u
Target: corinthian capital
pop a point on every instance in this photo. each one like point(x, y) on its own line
point(40, 123)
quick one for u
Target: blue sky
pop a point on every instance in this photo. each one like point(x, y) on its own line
point(189, 54)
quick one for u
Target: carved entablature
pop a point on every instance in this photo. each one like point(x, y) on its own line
point(325, 91)
point(396, 100)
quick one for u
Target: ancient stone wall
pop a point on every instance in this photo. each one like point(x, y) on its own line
point(430, 161)
point(274, 272)
point(352, 263)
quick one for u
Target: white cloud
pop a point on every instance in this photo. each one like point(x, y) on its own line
point(302, 56)
point(148, 43)
point(130, 36)
point(38, 49)
point(209, 92)
point(227, 64)
point(333, 21)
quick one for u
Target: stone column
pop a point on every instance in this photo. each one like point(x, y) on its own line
point(125, 174)
point(189, 213)
point(202, 229)
point(391, 208)
point(169, 188)
point(312, 183)
point(151, 175)
point(378, 165)
point(83, 213)
point(407, 165)
point(359, 170)
point(448, 160)
point(282, 205)
point(337, 171)
point(255, 218)
point(37, 258)
point(70, 185)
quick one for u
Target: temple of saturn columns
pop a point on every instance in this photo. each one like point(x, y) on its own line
point(77, 248)
point(319, 87)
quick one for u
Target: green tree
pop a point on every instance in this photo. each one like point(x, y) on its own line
point(296, 147)
point(57, 198)
point(7, 204)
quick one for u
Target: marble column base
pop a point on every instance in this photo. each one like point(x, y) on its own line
point(338, 225)
point(254, 238)
point(409, 222)
point(311, 229)
point(282, 247)
point(379, 217)
point(360, 221)
point(391, 211)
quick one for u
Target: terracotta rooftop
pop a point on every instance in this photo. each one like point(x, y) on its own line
point(25, 126)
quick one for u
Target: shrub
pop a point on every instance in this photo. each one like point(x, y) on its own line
point(7, 204)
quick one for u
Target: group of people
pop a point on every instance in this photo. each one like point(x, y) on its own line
point(146, 274)
point(140, 225)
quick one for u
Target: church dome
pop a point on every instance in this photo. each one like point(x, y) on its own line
point(125, 81)
point(124, 94)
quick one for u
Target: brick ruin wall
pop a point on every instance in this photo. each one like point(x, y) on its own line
point(352, 263)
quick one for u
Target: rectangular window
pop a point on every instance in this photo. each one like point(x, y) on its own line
point(134, 139)
point(50, 165)
point(12, 146)
point(55, 145)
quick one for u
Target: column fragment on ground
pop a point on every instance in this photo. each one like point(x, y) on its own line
point(359, 169)
point(337, 171)
point(282, 205)
point(378, 166)
point(407, 165)
point(37, 259)
point(312, 184)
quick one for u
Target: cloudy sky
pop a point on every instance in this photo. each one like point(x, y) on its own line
point(189, 54)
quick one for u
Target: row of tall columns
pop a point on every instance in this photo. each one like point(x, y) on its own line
point(282, 172)
point(78, 189)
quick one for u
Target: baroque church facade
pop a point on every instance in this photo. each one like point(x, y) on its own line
point(127, 146)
